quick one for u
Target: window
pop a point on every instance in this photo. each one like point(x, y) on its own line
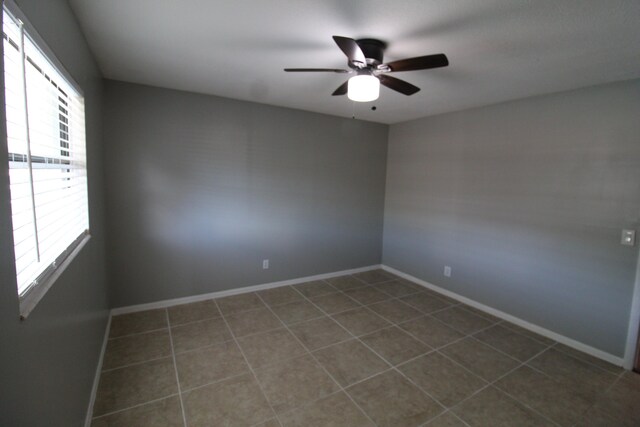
point(47, 164)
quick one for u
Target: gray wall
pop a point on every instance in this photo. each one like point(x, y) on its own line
point(525, 201)
point(201, 189)
point(47, 363)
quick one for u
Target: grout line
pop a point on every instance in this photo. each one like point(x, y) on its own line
point(465, 336)
point(395, 368)
point(586, 361)
point(313, 401)
point(392, 367)
point(136, 406)
point(324, 282)
point(255, 377)
point(219, 380)
point(191, 350)
point(256, 333)
point(352, 336)
point(138, 333)
point(447, 411)
point(532, 327)
point(175, 368)
point(601, 396)
point(494, 382)
point(207, 319)
point(324, 369)
point(135, 363)
point(301, 321)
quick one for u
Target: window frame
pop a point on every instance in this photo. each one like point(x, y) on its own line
point(30, 298)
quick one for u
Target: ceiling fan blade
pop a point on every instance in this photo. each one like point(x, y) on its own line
point(351, 49)
point(342, 90)
point(398, 85)
point(420, 63)
point(315, 70)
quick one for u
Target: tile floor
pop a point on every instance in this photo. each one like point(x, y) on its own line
point(362, 350)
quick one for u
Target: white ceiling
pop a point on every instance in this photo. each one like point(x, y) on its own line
point(498, 49)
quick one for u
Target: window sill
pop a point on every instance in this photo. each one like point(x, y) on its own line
point(29, 301)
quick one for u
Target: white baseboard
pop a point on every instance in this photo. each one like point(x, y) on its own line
point(235, 291)
point(634, 323)
point(96, 378)
point(523, 323)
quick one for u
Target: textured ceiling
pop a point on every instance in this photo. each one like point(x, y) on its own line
point(498, 49)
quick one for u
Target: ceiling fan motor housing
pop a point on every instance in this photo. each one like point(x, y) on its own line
point(373, 50)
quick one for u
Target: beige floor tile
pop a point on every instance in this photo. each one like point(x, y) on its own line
point(281, 295)
point(252, 322)
point(510, 342)
point(618, 407)
point(136, 348)
point(344, 283)
point(361, 321)
point(398, 288)
point(367, 295)
point(527, 333)
point(481, 313)
point(192, 312)
point(462, 320)
point(602, 364)
point(632, 378)
point(442, 296)
point(162, 413)
point(443, 379)
point(298, 311)
point(199, 334)
point(395, 311)
point(126, 387)
point(318, 333)
point(239, 303)
point(480, 359)
point(334, 303)
point(270, 347)
point(431, 331)
point(135, 323)
point(555, 401)
point(337, 410)
point(237, 401)
point(390, 400)
point(295, 382)
point(315, 289)
point(492, 408)
point(578, 375)
point(374, 276)
point(602, 416)
point(350, 361)
point(425, 302)
point(269, 423)
point(209, 364)
point(626, 394)
point(446, 420)
point(395, 345)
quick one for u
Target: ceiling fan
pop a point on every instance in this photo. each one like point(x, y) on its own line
point(365, 61)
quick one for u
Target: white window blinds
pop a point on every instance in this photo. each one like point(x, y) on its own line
point(47, 164)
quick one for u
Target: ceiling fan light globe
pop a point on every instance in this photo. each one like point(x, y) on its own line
point(363, 88)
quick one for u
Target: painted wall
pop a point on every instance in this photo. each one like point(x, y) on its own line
point(201, 189)
point(48, 362)
point(525, 201)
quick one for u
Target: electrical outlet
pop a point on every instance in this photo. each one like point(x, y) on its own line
point(265, 264)
point(628, 237)
point(447, 271)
